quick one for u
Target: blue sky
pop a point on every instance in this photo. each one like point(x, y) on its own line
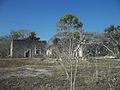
point(41, 15)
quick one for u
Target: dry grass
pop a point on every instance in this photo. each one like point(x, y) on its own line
point(108, 75)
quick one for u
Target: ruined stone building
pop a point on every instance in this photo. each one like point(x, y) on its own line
point(27, 48)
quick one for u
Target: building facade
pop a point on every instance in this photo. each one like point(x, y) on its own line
point(27, 48)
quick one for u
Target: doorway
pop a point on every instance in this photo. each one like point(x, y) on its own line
point(27, 53)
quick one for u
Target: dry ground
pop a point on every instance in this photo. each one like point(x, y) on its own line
point(47, 74)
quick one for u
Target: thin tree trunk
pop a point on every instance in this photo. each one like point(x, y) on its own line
point(75, 74)
point(71, 76)
point(71, 79)
point(96, 69)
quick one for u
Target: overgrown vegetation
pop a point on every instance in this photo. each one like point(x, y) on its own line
point(75, 66)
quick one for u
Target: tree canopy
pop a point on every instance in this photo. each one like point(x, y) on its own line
point(33, 36)
point(68, 22)
point(113, 32)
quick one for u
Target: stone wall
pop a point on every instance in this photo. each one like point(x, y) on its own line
point(27, 48)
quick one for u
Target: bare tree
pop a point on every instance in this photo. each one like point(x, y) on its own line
point(112, 44)
point(19, 34)
point(65, 46)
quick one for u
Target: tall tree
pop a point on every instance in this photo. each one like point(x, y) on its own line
point(69, 24)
